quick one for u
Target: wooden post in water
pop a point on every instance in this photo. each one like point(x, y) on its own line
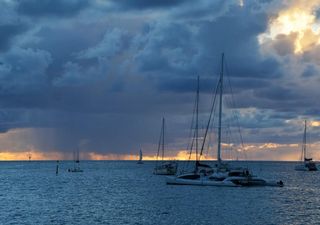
point(57, 168)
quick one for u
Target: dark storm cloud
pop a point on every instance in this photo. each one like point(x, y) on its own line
point(8, 32)
point(65, 42)
point(276, 93)
point(23, 70)
point(284, 44)
point(239, 42)
point(188, 84)
point(310, 71)
point(51, 7)
point(109, 78)
point(164, 51)
point(146, 4)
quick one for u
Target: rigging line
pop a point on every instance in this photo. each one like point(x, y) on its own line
point(231, 120)
point(233, 105)
point(211, 127)
point(163, 128)
point(190, 143)
point(159, 144)
point(190, 137)
point(304, 141)
point(197, 118)
point(208, 143)
point(210, 116)
point(232, 140)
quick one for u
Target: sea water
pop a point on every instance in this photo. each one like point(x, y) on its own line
point(123, 192)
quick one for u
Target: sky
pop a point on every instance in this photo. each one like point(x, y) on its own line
point(99, 75)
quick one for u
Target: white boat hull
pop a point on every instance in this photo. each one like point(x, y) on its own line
point(198, 182)
point(228, 182)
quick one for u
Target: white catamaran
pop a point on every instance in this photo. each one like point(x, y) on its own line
point(221, 174)
point(76, 162)
point(164, 167)
point(140, 157)
point(307, 163)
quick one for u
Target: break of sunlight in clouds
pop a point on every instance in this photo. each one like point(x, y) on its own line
point(276, 146)
point(35, 155)
point(315, 123)
point(260, 151)
point(300, 123)
point(180, 155)
point(241, 3)
point(299, 23)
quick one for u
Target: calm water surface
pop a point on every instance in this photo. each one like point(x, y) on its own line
point(110, 192)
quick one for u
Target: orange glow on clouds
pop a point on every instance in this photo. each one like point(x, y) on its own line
point(181, 155)
point(315, 123)
point(35, 155)
point(260, 151)
point(298, 23)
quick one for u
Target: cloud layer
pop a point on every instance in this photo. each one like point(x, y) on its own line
point(104, 73)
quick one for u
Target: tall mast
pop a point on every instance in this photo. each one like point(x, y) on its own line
point(140, 155)
point(220, 111)
point(77, 158)
point(163, 138)
point(304, 144)
point(197, 118)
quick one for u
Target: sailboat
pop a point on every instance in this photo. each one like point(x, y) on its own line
point(140, 158)
point(307, 163)
point(76, 162)
point(164, 167)
point(221, 174)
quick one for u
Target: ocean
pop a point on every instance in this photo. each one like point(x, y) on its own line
point(123, 192)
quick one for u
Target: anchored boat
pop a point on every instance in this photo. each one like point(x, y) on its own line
point(221, 174)
point(307, 163)
point(140, 157)
point(164, 167)
point(76, 162)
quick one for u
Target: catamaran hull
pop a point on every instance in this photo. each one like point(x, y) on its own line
point(75, 170)
point(305, 168)
point(229, 182)
point(198, 182)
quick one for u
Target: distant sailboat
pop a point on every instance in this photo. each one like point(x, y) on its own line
point(164, 167)
point(29, 156)
point(308, 164)
point(76, 162)
point(140, 157)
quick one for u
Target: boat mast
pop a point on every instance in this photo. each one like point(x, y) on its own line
point(304, 144)
point(140, 155)
point(77, 156)
point(163, 122)
point(197, 118)
point(220, 112)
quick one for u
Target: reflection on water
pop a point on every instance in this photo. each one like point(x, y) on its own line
point(126, 193)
